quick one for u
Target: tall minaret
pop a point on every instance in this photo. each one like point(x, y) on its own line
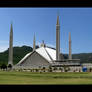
point(34, 43)
point(57, 39)
point(70, 55)
point(10, 61)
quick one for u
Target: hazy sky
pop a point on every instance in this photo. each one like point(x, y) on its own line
point(42, 22)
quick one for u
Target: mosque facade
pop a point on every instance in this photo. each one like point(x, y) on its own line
point(44, 56)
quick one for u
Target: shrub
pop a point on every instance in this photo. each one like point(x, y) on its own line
point(10, 66)
point(50, 69)
point(43, 69)
point(3, 66)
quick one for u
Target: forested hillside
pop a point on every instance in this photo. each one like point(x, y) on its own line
point(18, 54)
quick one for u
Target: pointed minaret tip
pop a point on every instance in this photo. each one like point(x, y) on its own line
point(58, 18)
point(11, 23)
point(11, 27)
point(34, 43)
point(69, 36)
point(34, 35)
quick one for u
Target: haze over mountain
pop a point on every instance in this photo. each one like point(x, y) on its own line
point(20, 52)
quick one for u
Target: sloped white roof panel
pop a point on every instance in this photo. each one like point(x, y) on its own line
point(51, 52)
point(43, 53)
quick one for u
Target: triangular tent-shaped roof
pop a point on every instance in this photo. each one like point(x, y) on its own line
point(47, 53)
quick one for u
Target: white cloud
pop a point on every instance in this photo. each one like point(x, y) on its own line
point(3, 45)
point(3, 48)
point(16, 43)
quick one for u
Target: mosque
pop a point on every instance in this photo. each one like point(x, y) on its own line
point(44, 56)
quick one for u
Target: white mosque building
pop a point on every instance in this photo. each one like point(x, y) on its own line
point(44, 56)
point(41, 57)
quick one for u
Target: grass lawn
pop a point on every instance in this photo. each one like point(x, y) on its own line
point(13, 77)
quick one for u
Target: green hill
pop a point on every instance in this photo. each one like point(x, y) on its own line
point(20, 52)
point(84, 57)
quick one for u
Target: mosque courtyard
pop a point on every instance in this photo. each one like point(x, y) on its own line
point(33, 78)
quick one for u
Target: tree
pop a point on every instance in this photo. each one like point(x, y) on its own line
point(90, 69)
point(3, 66)
point(61, 69)
point(44, 69)
point(50, 69)
point(10, 66)
point(66, 68)
point(55, 68)
point(36, 70)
